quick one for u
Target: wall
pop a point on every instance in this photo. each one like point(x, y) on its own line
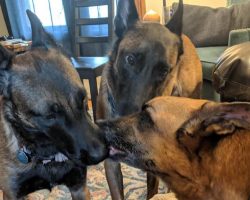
point(210, 3)
point(3, 28)
point(156, 5)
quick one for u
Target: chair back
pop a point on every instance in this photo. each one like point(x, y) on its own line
point(93, 26)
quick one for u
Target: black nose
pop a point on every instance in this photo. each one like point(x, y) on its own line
point(96, 151)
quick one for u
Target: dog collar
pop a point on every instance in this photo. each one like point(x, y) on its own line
point(24, 156)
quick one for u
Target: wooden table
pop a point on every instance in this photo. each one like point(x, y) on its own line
point(90, 68)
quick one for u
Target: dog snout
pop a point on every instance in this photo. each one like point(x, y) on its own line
point(128, 108)
point(106, 128)
point(113, 133)
point(95, 152)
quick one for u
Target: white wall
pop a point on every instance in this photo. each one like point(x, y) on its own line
point(3, 28)
point(156, 5)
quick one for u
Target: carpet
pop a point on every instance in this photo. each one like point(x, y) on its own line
point(135, 187)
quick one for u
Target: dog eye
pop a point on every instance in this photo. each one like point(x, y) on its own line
point(144, 107)
point(55, 108)
point(145, 121)
point(131, 59)
point(81, 99)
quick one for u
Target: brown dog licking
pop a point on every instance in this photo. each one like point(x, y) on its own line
point(199, 148)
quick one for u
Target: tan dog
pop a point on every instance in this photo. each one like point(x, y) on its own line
point(147, 60)
point(199, 148)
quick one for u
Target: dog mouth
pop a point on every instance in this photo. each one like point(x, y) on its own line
point(125, 156)
point(116, 153)
point(57, 158)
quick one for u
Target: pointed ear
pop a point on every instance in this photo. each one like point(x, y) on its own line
point(175, 23)
point(212, 123)
point(126, 16)
point(40, 38)
point(5, 61)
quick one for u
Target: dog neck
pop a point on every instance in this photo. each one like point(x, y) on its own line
point(12, 141)
point(186, 179)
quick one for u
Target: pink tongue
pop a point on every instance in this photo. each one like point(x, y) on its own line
point(113, 151)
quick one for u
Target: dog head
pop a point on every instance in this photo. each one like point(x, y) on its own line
point(143, 56)
point(44, 101)
point(173, 130)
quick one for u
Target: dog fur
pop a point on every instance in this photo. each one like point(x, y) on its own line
point(199, 148)
point(43, 109)
point(147, 60)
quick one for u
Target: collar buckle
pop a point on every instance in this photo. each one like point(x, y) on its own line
point(23, 155)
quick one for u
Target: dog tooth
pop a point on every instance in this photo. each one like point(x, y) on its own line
point(46, 161)
point(59, 157)
point(64, 157)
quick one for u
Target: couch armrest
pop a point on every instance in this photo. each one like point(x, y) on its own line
point(239, 36)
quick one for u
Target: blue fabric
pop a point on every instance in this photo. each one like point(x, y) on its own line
point(18, 20)
point(20, 24)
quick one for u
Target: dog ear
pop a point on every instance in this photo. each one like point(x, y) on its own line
point(175, 23)
point(40, 38)
point(212, 123)
point(126, 16)
point(5, 60)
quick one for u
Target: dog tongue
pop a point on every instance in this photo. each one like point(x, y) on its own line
point(113, 151)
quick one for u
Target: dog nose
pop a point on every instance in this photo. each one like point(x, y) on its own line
point(96, 151)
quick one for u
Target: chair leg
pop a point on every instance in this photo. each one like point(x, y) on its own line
point(93, 93)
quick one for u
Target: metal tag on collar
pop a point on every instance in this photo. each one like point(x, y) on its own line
point(23, 157)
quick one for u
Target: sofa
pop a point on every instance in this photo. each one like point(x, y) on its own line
point(209, 57)
point(231, 75)
point(213, 30)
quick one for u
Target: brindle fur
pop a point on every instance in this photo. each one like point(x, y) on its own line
point(42, 108)
point(166, 63)
point(199, 148)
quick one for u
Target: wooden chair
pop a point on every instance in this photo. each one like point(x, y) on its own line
point(91, 67)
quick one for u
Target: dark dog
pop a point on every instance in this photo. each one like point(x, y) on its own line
point(47, 137)
point(147, 60)
point(199, 148)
